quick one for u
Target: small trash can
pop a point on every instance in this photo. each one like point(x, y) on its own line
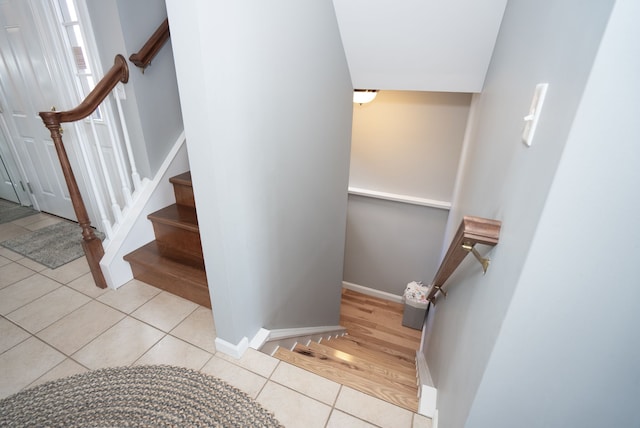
point(415, 305)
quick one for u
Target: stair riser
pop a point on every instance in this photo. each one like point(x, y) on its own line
point(193, 292)
point(179, 239)
point(184, 195)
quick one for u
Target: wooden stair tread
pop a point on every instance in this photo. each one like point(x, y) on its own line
point(178, 216)
point(391, 392)
point(358, 364)
point(183, 179)
point(174, 271)
point(372, 352)
point(172, 263)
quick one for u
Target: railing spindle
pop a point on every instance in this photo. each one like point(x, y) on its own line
point(135, 176)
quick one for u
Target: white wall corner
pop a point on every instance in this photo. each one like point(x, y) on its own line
point(235, 351)
point(259, 339)
point(372, 292)
point(427, 392)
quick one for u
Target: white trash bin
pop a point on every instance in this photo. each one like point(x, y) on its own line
point(415, 305)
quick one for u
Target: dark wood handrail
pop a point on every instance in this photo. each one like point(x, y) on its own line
point(472, 231)
point(52, 119)
point(143, 57)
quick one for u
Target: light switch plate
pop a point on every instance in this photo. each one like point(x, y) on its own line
point(531, 120)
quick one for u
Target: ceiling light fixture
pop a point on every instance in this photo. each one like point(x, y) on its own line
point(363, 96)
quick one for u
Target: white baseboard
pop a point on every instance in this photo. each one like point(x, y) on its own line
point(235, 351)
point(427, 392)
point(372, 292)
point(259, 339)
point(265, 335)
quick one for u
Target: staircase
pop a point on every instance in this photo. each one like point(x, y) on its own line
point(173, 261)
point(376, 356)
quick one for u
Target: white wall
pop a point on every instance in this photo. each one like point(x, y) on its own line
point(405, 143)
point(408, 143)
point(152, 108)
point(418, 45)
point(505, 180)
point(266, 99)
point(568, 350)
point(156, 91)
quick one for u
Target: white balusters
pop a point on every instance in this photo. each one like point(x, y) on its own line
point(104, 220)
point(115, 208)
point(121, 95)
point(111, 181)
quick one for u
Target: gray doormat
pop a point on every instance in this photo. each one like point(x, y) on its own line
point(10, 211)
point(52, 246)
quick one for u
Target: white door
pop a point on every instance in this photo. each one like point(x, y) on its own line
point(11, 187)
point(28, 84)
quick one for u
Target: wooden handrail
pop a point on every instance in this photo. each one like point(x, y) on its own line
point(472, 231)
point(143, 57)
point(52, 119)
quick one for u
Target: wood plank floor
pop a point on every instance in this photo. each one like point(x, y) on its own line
point(376, 357)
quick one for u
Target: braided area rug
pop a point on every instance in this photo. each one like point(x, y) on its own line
point(141, 396)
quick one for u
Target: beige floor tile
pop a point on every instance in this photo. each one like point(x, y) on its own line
point(292, 408)
point(130, 296)
point(25, 291)
point(175, 352)
point(420, 421)
point(13, 272)
point(10, 334)
point(242, 379)
point(372, 409)
point(6, 253)
point(65, 369)
point(48, 309)
point(306, 382)
point(165, 311)
point(121, 345)
point(80, 327)
point(255, 361)
point(198, 329)
point(86, 285)
point(10, 231)
point(33, 265)
point(48, 221)
point(24, 363)
point(4, 261)
point(69, 272)
point(340, 419)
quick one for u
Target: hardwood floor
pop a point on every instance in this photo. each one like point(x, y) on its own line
point(376, 357)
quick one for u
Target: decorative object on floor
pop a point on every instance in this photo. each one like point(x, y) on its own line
point(141, 396)
point(52, 246)
point(10, 211)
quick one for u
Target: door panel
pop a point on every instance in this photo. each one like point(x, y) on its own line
point(27, 81)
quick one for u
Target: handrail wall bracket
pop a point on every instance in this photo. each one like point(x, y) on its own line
point(483, 260)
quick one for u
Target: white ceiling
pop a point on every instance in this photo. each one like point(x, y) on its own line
point(419, 45)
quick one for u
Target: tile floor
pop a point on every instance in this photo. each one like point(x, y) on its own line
point(55, 323)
